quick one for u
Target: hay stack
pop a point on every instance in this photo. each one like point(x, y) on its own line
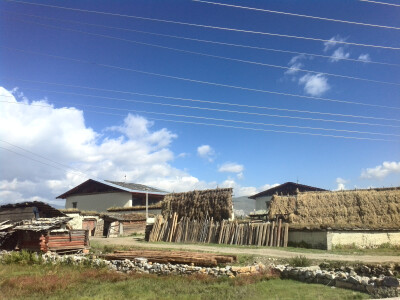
point(356, 209)
point(198, 205)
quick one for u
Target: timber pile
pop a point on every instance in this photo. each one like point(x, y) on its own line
point(174, 257)
point(73, 239)
point(356, 209)
point(216, 203)
point(274, 234)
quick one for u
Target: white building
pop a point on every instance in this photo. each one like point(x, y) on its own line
point(99, 195)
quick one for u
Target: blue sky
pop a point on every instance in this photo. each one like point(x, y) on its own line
point(109, 131)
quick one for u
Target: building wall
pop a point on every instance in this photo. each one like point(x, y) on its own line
point(261, 202)
point(357, 238)
point(99, 202)
point(362, 238)
point(316, 239)
point(77, 220)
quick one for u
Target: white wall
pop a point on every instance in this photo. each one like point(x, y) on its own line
point(362, 239)
point(261, 202)
point(99, 202)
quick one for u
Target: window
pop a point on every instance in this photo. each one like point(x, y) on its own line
point(74, 204)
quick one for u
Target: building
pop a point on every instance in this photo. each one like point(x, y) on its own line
point(289, 188)
point(27, 211)
point(354, 218)
point(99, 195)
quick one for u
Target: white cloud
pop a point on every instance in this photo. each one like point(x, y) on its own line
point(231, 168)
point(132, 148)
point(339, 54)
point(240, 175)
point(340, 183)
point(315, 85)
point(333, 41)
point(206, 152)
point(381, 171)
point(365, 57)
point(295, 64)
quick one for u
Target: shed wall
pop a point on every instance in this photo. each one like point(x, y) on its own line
point(99, 202)
point(362, 239)
point(261, 202)
point(316, 239)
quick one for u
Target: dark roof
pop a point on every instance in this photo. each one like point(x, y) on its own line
point(136, 186)
point(288, 188)
point(92, 186)
point(25, 210)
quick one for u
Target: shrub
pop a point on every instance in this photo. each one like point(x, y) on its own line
point(299, 261)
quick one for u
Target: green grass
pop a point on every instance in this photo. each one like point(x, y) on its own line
point(67, 282)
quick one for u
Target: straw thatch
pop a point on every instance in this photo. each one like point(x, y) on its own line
point(356, 209)
point(198, 205)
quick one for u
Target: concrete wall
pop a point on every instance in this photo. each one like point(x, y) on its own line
point(362, 238)
point(357, 238)
point(261, 202)
point(99, 202)
point(317, 239)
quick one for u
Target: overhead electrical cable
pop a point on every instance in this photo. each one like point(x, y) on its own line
point(207, 118)
point(298, 15)
point(44, 163)
point(215, 56)
point(209, 41)
point(203, 101)
point(255, 129)
point(41, 156)
point(217, 109)
point(207, 26)
point(195, 80)
point(379, 2)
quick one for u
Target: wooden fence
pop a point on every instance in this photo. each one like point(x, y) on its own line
point(273, 234)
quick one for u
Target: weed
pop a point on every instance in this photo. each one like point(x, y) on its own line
point(299, 261)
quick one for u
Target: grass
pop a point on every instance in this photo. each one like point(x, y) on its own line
point(299, 261)
point(66, 282)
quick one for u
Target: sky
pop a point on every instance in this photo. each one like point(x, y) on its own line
point(185, 95)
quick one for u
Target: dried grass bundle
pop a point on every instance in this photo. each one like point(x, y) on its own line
point(356, 209)
point(198, 205)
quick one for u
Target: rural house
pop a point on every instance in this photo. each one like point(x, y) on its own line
point(289, 188)
point(362, 218)
point(99, 195)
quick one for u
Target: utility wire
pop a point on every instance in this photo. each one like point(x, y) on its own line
point(378, 2)
point(206, 26)
point(38, 155)
point(208, 118)
point(214, 56)
point(197, 81)
point(208, 41)
point(50, 165)
point(219, 110)
point(253, 129)
point(298, 15)
point(203, 101)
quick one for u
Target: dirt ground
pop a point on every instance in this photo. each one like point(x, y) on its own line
point(265, 252)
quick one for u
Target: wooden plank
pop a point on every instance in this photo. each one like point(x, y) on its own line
point(279, 230)
point(271, 238)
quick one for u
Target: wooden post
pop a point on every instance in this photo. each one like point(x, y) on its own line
point(278, 238)
point(147, 207)
point(286, 236)
point(271, 242)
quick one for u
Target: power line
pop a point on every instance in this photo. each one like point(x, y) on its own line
point(202, 101)
point(214, 56)
point(378, 2)
point(209, 118)
point(298, 15)
point(53, 166)
point(207, 26)
point(41, 156)
point(254, 129)
point(219, 110)
point(211, 42)
point(198, 81)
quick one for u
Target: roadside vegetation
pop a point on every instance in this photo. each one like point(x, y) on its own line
point(32, 281)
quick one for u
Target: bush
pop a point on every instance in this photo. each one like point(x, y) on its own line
point(22, 257)
point(299, 261)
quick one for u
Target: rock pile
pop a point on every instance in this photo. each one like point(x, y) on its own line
point(346, 278)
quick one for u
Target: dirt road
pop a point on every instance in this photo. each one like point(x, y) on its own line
point(267, 252)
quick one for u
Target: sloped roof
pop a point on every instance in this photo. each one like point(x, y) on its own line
point(287, 188)
point(24, 210)
point(106, 186)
